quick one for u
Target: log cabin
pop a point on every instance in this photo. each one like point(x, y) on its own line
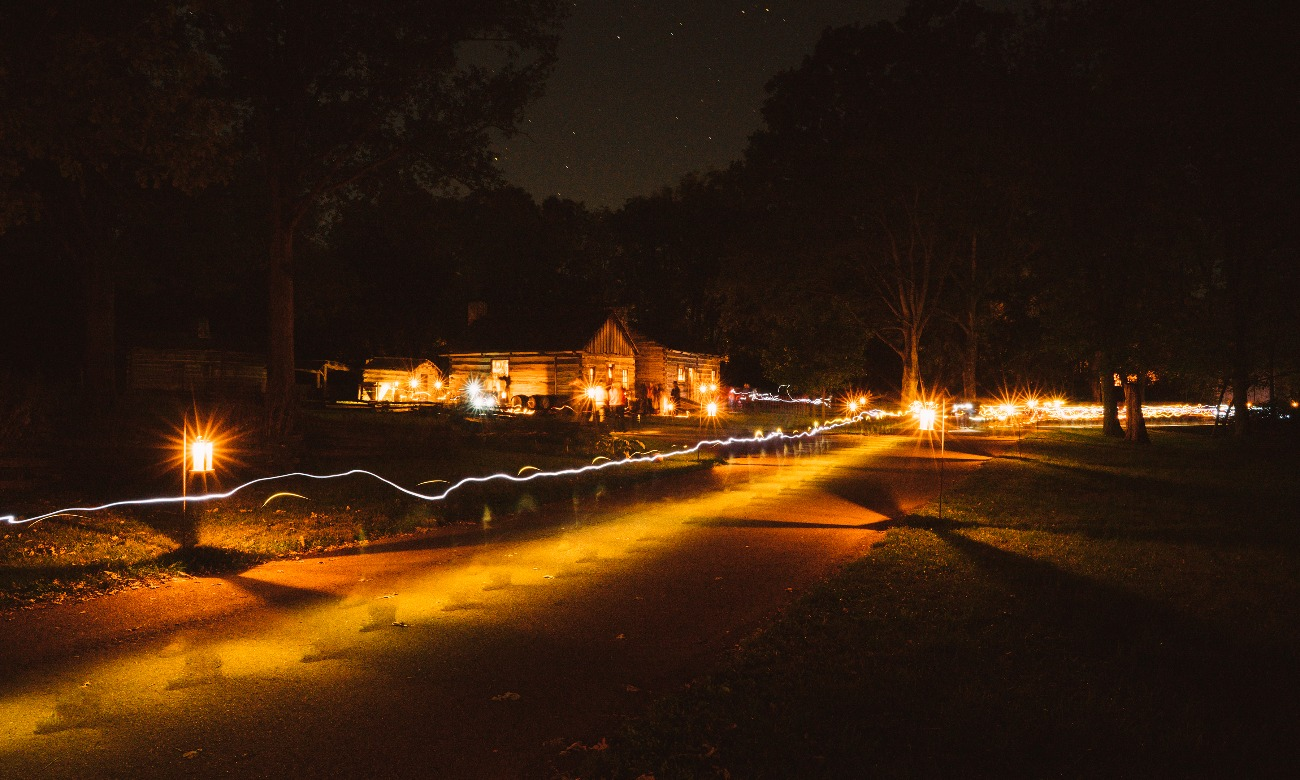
point(542, 362)
point(401, 380)
point(696, 374)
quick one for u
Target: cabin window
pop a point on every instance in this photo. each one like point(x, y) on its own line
point(691, 381)
point(625, 377)
point(713, 376)
point(591, 375)
point(681, 373)
point(500, 368)
point(609, 371)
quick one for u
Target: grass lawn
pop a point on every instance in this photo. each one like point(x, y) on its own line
point(1085, 608)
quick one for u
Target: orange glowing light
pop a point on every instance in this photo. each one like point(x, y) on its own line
point(712, 408)
point(201, 456)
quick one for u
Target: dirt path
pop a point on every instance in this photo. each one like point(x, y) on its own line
point(483, 657)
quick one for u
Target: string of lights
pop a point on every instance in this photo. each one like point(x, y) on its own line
point(756, 395)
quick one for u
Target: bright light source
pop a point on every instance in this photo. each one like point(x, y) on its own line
point(853, 406)
point(415, 382)
point(437, 384)
point(925, 418)
point(200, 456)
point(712, 408)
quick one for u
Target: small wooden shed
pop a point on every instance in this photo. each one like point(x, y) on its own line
point(196, 370)
point(401, 380)
point(696, 374)
point(544, 361)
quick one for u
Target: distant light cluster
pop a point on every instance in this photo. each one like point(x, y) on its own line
point(1059, 411)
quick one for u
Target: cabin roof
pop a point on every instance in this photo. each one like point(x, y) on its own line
point(562, 333)
point(644, 342)
point(395, 363)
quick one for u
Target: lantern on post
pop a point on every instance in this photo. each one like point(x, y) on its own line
point(196, 458)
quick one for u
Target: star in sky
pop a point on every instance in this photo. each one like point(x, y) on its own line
point(645, 92)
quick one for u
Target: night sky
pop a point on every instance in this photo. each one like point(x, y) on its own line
point(645, 92)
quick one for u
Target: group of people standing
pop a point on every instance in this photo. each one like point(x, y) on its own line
point(614, 401)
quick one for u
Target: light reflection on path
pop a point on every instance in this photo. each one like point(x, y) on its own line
point(361, 665)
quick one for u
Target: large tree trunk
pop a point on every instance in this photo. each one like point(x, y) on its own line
point(280, 395)
point(99, 363)
point(970, 355)
point(1107, 397)
point(969, 362)
point(911, 387)
point(1136, 425)
point(1240, 395)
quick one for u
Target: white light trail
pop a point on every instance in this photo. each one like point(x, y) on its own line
point(757, 438)
point(755, 395)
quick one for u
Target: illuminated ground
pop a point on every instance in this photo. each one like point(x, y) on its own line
point(484, 657)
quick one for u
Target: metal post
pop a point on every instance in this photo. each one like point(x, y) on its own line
point(943, 430)
point(185, 460)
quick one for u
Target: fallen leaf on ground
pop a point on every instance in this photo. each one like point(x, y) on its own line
point(507, 696)
point(192, 753)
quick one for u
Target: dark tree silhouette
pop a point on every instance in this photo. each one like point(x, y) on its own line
point(96, 102)
point(337, 95)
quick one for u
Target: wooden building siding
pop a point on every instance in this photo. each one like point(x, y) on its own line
point(531, 373)
point(611, 339)
point(196, 370)
point(695, 370)
point(657, 364)
point(598, 369)
point(387, 379)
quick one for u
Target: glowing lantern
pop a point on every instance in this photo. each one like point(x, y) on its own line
point(712, 408)
point(201, 456)
point(925, 418)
